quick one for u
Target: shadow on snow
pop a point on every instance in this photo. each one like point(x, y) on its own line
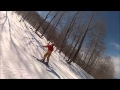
point(51, 70)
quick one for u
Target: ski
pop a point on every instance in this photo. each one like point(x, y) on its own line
point(48, 68)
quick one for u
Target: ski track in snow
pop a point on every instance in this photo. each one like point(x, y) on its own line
point(18, 43)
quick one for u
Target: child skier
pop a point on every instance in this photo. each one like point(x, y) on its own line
point(48, 53)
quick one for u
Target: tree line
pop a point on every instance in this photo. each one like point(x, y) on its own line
point(80, 35)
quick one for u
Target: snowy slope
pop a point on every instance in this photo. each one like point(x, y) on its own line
point(18, 45)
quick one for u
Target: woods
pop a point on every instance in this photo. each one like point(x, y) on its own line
point(80, 35)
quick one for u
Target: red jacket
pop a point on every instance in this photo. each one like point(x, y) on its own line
point(50, 47)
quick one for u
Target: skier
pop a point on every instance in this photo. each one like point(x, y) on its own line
point(48, 53)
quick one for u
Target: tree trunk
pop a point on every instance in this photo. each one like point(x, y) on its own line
point(42, 22)
point(56, 25)
point(49, 23)
point(75, 44)
point(83, 37)
point(69, 28)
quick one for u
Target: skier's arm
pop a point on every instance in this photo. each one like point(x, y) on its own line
point(45, 46)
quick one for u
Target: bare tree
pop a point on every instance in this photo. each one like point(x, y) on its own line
point(43, 21)
point(82, 39)
point(49, 23)
point(78, 39)
point(68, 30)
point(57, 23)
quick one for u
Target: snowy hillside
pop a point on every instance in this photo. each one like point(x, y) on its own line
point(18, 45)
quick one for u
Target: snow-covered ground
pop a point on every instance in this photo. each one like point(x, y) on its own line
point(18, 45)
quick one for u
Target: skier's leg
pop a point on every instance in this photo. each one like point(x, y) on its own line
point(48, 56)
point(45, 55)
point(47, 61)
